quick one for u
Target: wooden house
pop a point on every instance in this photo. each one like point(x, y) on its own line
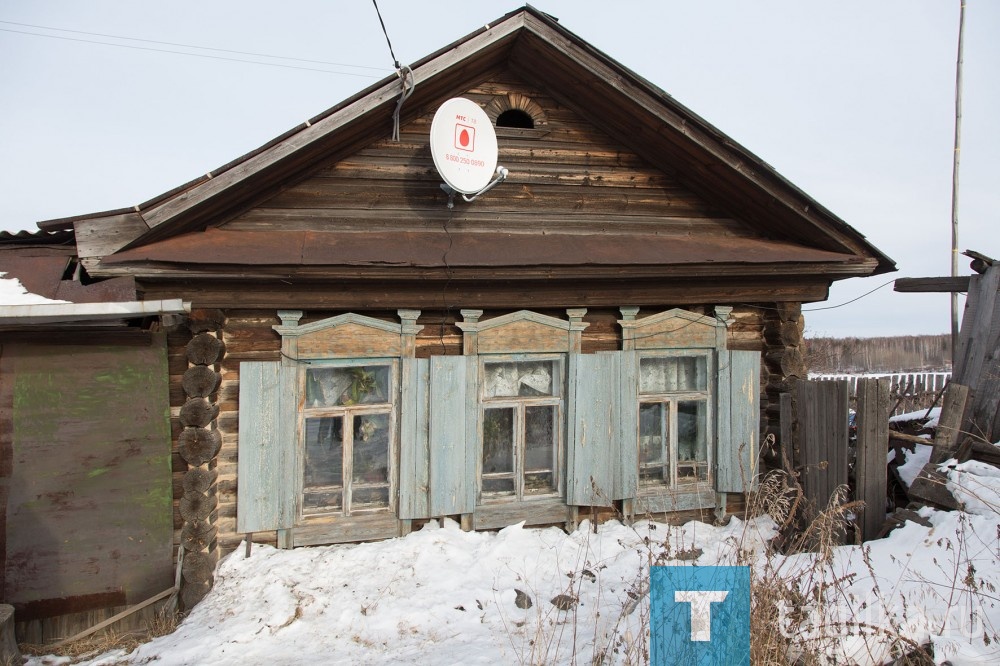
point(610, 327)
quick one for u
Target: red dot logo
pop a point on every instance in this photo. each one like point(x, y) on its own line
point(465, 137)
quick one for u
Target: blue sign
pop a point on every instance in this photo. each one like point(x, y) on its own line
point(699, 616)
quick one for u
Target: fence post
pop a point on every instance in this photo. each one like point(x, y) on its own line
point(872, 420)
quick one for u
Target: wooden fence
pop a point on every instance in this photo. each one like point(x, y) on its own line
point(815, 432)
point(908, 391)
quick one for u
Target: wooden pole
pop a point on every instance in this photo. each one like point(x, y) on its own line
point(954, 179)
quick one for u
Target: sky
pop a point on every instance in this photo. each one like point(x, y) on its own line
point(853, 101)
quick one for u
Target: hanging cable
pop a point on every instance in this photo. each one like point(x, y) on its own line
point(405, 74)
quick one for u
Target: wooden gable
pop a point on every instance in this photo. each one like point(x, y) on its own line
point(616, 178)
point(566, 175)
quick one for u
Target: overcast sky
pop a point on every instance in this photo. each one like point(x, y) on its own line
point(853, 101)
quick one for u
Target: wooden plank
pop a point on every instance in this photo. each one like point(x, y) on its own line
point(349, 341)
point(346, 529)
point(265, 498)
point(523, 337)
point(932, 284)
point(980, 327)
point(88, 506)
point(625, 456)
point(414, 453)
point(472, 219)
point(823, 438)
point(738, 421)
point(872, 421)
point(492, 516)
point(118, 616)
point(948, 431)
point(671, 500)
point(426, 294)
point(320, 193)
point(452, 487)
point(593, 394)
point(931, 487)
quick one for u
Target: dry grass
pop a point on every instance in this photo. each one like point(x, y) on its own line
point(162, 623)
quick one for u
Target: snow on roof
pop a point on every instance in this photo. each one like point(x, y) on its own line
point(12, 292)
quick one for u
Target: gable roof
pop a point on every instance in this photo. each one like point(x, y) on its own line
point(630, 109)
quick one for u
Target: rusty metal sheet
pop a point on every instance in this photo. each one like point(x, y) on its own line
point(41, 271)
point(88, 493)
point(432, 249)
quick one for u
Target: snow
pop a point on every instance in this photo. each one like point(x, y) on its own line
point(12, 292)
point(914, 462)
point(444, 596)
point(919, 415)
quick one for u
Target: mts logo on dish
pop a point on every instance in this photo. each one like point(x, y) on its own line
point(699, 615)
point(465, 137)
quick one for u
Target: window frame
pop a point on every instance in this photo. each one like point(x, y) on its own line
point(671, 399)
point(391, 407)
point(519, 404)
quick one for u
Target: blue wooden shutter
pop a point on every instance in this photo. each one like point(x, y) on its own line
point(626, 481)
point(452, 434)
point(414, 455)
point(268, 413)
point(602, 455)
point(738, 421)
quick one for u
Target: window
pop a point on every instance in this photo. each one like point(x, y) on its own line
point(515, 118)
point(674, 419)
point(521, 434)
point(347, 434)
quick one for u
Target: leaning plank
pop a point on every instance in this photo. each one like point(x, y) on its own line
point(978, 334)
point(114, 618)
point(931, 487)
point(950, 422)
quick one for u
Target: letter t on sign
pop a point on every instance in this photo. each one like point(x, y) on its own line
point(701, 610)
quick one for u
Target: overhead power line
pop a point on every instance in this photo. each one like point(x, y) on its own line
point(196, 55)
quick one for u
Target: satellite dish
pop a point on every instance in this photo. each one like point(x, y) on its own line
point(464, 146)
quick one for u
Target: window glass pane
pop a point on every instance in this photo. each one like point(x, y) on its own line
point(652, 420)
point(498, 440)
point(371, 449)
point(539, 449)
point(692, 438)
point(359, 385)
point(369, 498)
point(539, 483)
point(672, 374)
point(313, 502)
point(324, 463)
point(540, 436)
point(654, 459)
point(525, 378)
point(498, 486)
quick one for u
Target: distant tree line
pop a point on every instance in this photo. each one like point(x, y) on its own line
point(891, 354)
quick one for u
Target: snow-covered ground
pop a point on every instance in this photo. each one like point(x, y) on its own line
point(444, 596)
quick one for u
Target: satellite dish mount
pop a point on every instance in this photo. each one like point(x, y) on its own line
point(464, 148)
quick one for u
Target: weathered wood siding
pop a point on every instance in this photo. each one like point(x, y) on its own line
point(564, 175)
point(87, 484)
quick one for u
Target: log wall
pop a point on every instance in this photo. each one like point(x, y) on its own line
point(247, 335)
